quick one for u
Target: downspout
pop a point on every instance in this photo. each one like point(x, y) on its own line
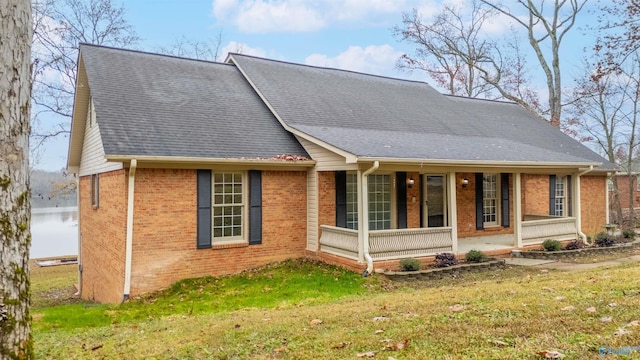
point(365, 211)
point(578, 210)
point(79, 235)
point(129, 244)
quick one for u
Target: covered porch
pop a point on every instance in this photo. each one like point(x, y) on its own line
point(458, 212)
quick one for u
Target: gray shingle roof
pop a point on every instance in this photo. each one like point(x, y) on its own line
point(378, 117)
point(156, 105)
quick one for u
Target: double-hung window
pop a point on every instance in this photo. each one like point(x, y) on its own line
point(228, 205)
point(560, 196)
point(352, 201)
point(379, 202)
point(490, 200)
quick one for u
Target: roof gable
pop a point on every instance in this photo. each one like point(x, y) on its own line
point(163, 106)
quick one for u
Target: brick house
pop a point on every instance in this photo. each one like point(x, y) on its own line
point(189, 168)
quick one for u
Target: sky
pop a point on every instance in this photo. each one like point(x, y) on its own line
point(347, 34)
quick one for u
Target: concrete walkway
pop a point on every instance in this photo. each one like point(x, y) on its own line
point(552, 264)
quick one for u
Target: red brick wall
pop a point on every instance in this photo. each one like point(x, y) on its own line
point(326, 199)
point(593, 203)
point(535, 194)
point(623, 191)
point(164, 242)
point(466, 204)
point(103, 234)
point(413, 207)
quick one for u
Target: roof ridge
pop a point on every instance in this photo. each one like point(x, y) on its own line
point(481, 99)
point(143, 52)
point(330, 68)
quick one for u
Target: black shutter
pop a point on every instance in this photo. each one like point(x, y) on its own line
point(504, 195)
point(255, 207)
point(422, 200)
point(341, 199)
point(479, 202)
point(552, 195)
point(401, 199)
point(204, 209)
point(569, 196)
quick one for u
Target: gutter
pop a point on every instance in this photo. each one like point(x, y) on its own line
point(129, 244)
point(582, 235)
point(365, 211)
point(79, 293)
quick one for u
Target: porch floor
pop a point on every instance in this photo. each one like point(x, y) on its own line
point(486, 243)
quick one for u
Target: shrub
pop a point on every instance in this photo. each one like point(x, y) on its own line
point(551, 245)
point(629, 234)
point(574, 245)
point(410, 264)
point(475, 256)
point(445, 260)
point(605, 240)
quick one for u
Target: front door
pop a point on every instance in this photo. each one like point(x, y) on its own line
point(435, 195)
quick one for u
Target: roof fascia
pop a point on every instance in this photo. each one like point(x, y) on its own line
point(78, 118)
point(350, 158)
point(481, 164)
point(211, 161)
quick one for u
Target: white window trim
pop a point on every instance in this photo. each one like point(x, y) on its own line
point(493, 224)
point(243, 238)
point(563, 180)
point(354, 176)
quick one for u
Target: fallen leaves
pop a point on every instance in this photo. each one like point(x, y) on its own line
point(568, 308)
point(591, 309)
point(368, 354)
point(315, 322)
point(456, 307)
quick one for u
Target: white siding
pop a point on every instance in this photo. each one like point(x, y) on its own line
point(325, 160)
point(312, 210)
point(92, 160)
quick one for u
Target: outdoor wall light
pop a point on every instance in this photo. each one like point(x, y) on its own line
point(465, 182)
point(410, 183)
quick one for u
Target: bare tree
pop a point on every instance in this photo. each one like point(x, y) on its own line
point(604, 111)
point(59, 27)
point(450, 48)
point(202, 50)
point(619, 27)
point(542, 27)
point(15, 209)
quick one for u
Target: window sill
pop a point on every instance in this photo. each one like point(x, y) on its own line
point(229, 244)
point(493, 227)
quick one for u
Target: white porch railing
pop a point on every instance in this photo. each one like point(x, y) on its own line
point(339, 241)
point(387, 244)
point(556, 228)
point(403, 243)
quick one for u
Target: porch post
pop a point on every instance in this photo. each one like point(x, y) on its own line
point(517, 208)
point(452, 212)
point(575, 183)
point(361, 217)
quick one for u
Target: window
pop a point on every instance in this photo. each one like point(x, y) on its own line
point(352, 201)
point(490, 199)
point(610, 185)
point(379, 202)
point(228, 205)
point(95, 191)
point(560, 195)
point(637, 182)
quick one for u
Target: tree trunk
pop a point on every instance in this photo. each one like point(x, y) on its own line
point(15, 207)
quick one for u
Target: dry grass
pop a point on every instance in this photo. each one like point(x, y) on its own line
point(53, 285)
point(512, 313)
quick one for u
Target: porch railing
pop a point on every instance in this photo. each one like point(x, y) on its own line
point(402, 243)
point(556, 228)
point(387, 244)
point(339, 241)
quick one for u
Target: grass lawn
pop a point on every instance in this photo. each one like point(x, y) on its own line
point(303, 310)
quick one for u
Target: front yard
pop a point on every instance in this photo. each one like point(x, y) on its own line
point(303, 310)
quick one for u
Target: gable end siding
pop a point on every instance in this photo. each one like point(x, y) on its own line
point(325, 159)
point(93, 159)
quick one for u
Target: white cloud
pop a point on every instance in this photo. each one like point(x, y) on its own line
point(265, 16)
point(242, 48)
point(373, 59)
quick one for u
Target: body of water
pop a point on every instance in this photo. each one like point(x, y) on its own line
point(54, 231)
